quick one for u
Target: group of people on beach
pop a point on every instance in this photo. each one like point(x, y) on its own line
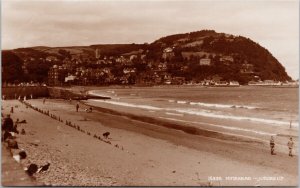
point(290, 145)
point(18, 97)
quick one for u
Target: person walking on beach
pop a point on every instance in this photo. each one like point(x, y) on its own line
point(44, 100)
point(290, 145)
point(272, 145)
point(12, 110)
point(77, 107)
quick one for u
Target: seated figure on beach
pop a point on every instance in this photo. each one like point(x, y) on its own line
point(8, 124)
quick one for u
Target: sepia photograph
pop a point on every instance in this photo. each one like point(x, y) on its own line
point(149, 93)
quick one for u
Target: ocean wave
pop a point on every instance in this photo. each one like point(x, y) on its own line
point(173, 114)
point(222, 126)
point(223, 105)
point(202, 112)
point(147, 107)
point(222, 116)
point(181, 102)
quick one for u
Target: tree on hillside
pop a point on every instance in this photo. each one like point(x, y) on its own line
point(65, 53)
point(11, 67)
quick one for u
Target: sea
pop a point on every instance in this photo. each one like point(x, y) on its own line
point(265, 106)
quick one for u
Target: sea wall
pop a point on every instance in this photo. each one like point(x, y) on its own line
point(13, 92)
point(69, 93)
point(61, 93)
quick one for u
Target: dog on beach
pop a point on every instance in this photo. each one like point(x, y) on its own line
point(31, 169)
point(43, 168)
point(106, 134)
point(23, 121)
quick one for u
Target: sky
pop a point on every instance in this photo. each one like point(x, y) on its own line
point(274, 24)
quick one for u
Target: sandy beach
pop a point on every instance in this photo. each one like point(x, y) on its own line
point(139, 153)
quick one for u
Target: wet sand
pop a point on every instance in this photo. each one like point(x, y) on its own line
point(147, 154)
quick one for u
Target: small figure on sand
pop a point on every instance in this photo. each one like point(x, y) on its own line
point(44, 100)
point(31, 96)
point(272, 145)
point(77, 107)
point(290, 145)
point(12, 110)
point(17, 121)
point(89, 110)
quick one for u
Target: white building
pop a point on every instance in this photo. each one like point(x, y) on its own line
point(205, 62)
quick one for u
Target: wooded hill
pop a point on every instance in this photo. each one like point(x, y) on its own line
point(227, 56)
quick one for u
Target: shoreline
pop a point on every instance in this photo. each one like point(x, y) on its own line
point(166, 149)
point(185, 128)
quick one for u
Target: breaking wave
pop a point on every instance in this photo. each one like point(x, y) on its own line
point(230, 117)
point(147, 107)
point(204, 113)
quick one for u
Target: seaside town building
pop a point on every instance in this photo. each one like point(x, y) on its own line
point(56, 76)
point(168, 53)
point(247, 68)
point(205, 62)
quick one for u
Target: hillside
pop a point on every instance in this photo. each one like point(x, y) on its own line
point(193, 56)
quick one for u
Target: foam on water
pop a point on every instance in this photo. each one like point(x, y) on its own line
point(222, 116)
point(181, 102)
point(223, 105)
point(199, 112)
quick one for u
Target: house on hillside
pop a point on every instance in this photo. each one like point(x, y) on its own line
point(227, 60)
point(178, 80)
point(205, 62)
point(247, 68)
point(168, 53)
point(70, 79)
point(51, 58)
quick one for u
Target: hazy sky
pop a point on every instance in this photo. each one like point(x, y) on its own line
point(274, 24)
